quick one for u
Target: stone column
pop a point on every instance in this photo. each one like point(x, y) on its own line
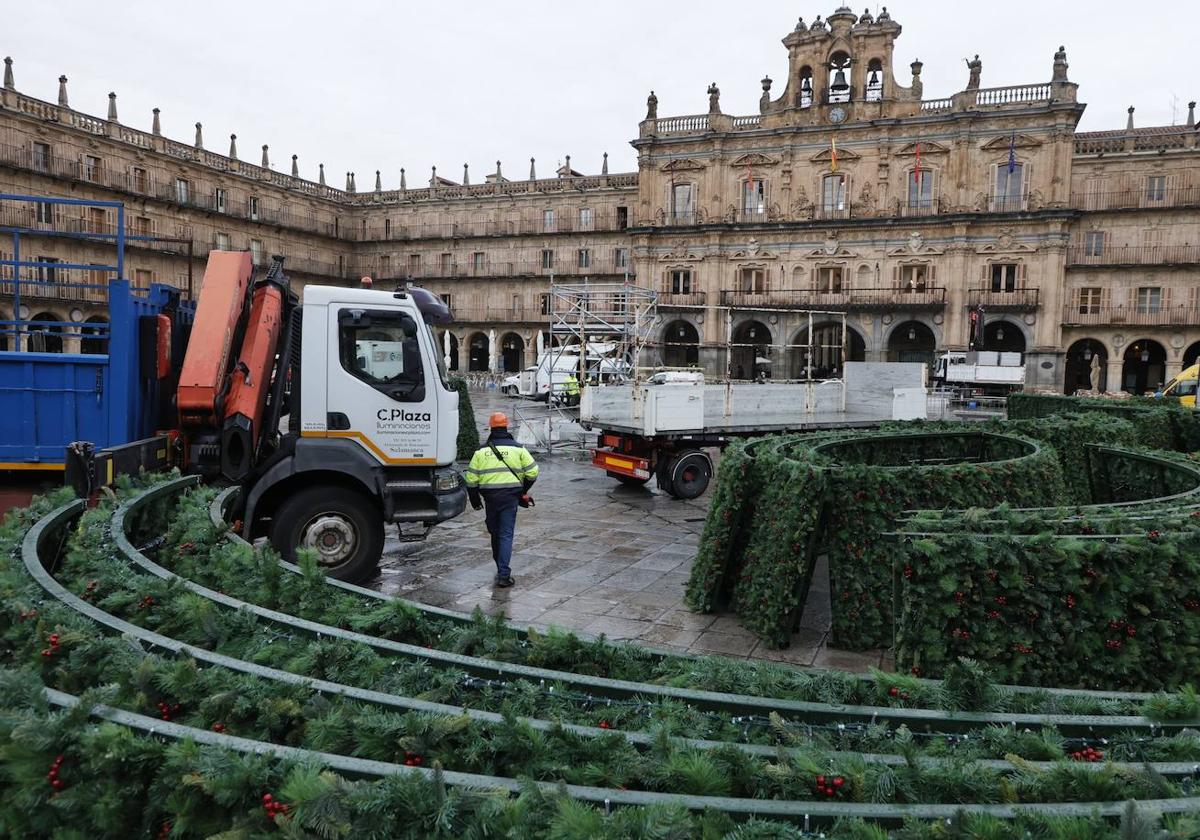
point(1113, 383)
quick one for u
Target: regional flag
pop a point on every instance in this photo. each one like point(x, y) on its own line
point(832, 155)
point(1012, 154)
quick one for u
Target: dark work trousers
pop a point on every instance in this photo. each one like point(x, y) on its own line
point(501, 518)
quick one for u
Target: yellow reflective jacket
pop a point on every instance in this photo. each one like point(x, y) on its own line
point(488, 474)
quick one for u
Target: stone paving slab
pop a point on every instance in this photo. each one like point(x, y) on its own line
point(597, 557)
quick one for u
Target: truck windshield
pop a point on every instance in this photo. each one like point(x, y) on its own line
point(380, 347)
point(1182, 388)
point(443, 374)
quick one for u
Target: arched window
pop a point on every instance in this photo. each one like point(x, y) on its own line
point(839, 74)
point(873, 90)
point(804, 98)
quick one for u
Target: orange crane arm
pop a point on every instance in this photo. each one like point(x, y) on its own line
point(202, 379)
point(251, 380)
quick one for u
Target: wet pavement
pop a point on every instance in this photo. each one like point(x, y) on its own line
point(596, 557)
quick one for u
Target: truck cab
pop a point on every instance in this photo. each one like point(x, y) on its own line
point(1183, 386)
point(372, 432)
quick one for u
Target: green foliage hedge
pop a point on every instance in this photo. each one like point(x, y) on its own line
point(1104, 596)
point(781, 503)
point(1086, 470)
point(1158, 424)
point(468, 432)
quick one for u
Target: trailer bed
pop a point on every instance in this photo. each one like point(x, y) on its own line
point(871, 393)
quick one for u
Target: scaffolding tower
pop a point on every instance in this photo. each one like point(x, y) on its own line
point(598, 331)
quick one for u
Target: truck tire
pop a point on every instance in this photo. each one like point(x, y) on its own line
point(689, 473)
point(342, 525)
point(627, 480)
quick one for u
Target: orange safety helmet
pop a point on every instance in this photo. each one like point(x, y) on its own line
point(498, 420)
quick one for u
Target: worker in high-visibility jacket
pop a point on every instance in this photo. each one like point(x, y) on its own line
point(571, 388)
point(498, 478)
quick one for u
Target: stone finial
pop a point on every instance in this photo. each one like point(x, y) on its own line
point(1060, 66)
point(764, 101)
point(567, 167)
point(378, 182)
point(353, 183)
point(156, 124)
point(433, 182)
point(1191, 120)
point(604, 165)
point(466, 176)
point(918, 87)
point(498, 175)
point(266, 159)
point(321, 174)
point(8, 74)
point(532, 172)
point(651, 106)
point(199, 143)
point(233, 147)
point(295, 166)
point(714, 99)
point(403, 179)
point(62, 92)
point(1129, 122)
point(112, 107)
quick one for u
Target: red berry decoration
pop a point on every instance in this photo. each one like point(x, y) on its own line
point(893, 691)
point(908, 571)
point(1154, 534)
point(605, 725)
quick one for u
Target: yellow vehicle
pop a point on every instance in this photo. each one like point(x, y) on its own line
point(1184, 386)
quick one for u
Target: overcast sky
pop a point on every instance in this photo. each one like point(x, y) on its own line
point(364, 85)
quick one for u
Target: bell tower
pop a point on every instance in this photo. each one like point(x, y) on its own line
point(840, 69)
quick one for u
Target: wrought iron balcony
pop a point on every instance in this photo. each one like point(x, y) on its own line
point(1148, 315)
point(887, 299)
point(1020, 299)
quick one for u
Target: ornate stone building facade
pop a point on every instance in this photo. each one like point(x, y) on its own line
point(849, 192)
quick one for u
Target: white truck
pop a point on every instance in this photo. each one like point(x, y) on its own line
point(990, 372)
point(536, 382)
point(664, 428)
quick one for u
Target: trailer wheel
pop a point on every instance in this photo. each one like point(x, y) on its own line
point(341, 525)
point(628, 480)
point(688, 474)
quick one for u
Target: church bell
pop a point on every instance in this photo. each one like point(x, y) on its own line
point(839, 80)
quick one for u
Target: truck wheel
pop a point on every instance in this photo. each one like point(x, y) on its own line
point(341, 525)
point(689, 474)
point(627, 480)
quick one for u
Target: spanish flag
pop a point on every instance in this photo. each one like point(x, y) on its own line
point(832, 154)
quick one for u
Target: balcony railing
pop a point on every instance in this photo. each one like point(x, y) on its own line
point(1133, 199)
point(384, 232)
point(474, 314)
point(1143, 316)
point(1133, 255)
point(879, 299)
point(1013, 300)
point(682, 299)
point(1158, 139)
point(1007, 203)
point(493, 268)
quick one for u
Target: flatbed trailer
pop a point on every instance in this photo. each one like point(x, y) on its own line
point(662, 431)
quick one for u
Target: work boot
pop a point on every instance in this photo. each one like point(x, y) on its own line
point(505, 582)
